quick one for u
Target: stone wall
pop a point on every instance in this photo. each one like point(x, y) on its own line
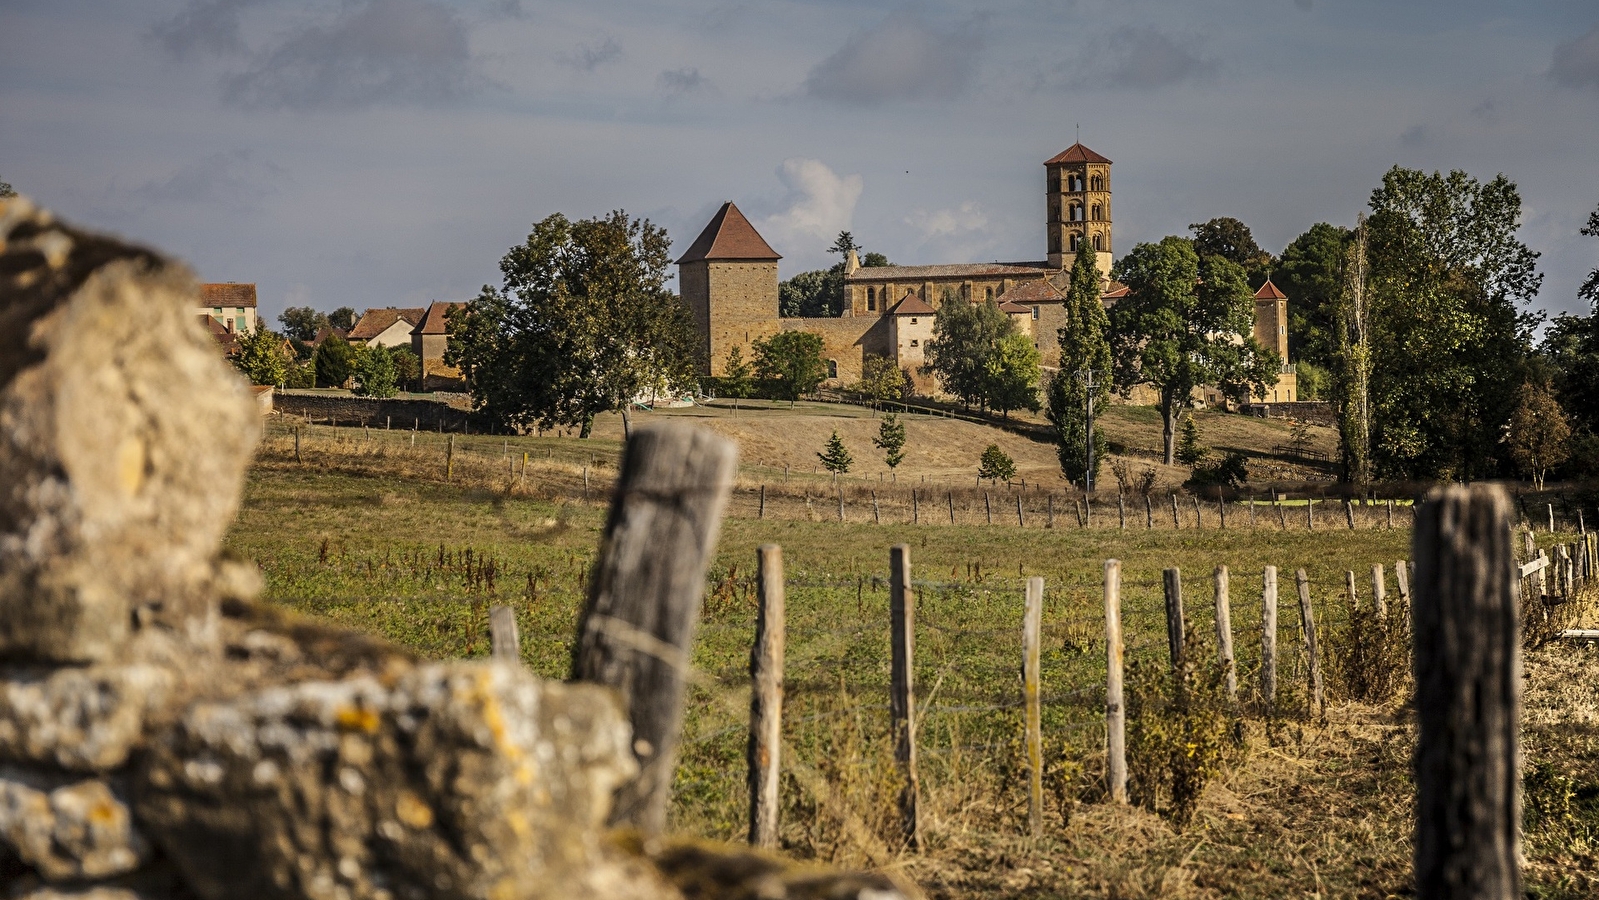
point(428, 415)
point(1316, 412)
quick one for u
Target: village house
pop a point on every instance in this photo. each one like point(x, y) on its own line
point(387, 326)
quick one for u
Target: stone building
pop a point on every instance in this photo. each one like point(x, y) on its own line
point(230, 304)
point(429, 341)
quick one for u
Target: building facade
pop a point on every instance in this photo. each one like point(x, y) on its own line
point(230, 304)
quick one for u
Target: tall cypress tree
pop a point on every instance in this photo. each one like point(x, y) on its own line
point(1084, 348)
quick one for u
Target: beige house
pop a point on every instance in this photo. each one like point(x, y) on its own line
point(230, 304)
point(386, 327)
point(428, 341)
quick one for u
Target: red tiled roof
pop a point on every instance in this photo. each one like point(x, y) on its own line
point(959, 270)
point(1076, 153)
point(1269, 291)
point(729, 236)
point(325, 332)
point(434, 321)
point(375, 321)
point(1012, 308)
point(227, 294)
point(223, 334)
point(1116, 291)
point(911, 305)
point(1040, 291)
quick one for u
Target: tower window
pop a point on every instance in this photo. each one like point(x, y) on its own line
point(916, 343)
point(1099, 182)
point(1099, 242)
point(832, 368)
point(1076, 212)
point(1099, 213)
point(1073, 239)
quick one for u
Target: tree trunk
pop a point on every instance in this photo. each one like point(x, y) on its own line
point(1168, 424)
point(588, 427)
point(627, 422)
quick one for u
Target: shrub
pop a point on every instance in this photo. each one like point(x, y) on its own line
point(1180, 732)
point(996, 465)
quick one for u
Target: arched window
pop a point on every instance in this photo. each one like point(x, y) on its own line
point(1099, 182)
point(1075, 211)
point(832, 368)
point(988, 292)
point(871, 299)
point(1099, 213)
point(1073, 242)
point(1099, 241)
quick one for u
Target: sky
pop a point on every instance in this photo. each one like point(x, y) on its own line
point(373, 153)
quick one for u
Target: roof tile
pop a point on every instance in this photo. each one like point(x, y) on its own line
point(1269, 291)
point(729, 236)
point(229, 293)
point(1076, 153)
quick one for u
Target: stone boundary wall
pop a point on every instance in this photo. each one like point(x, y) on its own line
point(1317, 412)
point(430, 415)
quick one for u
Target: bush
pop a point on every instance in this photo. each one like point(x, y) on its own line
point(1229, 472)
point(996, 465)
point(1369, 658)
point(1180, 732)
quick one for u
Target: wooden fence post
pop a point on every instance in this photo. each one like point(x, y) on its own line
point(1543, 576)
point(988, 508)
point(950, 496)
point(1121, 512)
point(1221, 510)
point(296, 443)
point(1349, 585)
point(585, 484)
point(877, 518)
point(1088, 511)
point(1149, 513)
point(902, 699)
point(762, 513)
point(1198, 521)
point(1349, 513)
point(1032, 624)
point(504, 643)
point(449, 459)
point(1379, 591)
point(1174, 523)
point(1307, 618)
point(1282, 513)
point(1310, 513)
point(1019, 520)
point(1224, 633)
point(1390, 515)
point(1049, 510)
point(916, 509)
point(1173, 582)
point(1468, 698)
point(645, 595)
point(1115, 709)
point(1551, 518)
point(1268, 640)
point(766, 698)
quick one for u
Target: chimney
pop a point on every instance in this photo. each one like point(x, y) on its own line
point(852, 263)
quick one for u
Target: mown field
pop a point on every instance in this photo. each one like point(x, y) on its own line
point(372, 539)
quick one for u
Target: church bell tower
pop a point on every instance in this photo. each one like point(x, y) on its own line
point(1077, 188)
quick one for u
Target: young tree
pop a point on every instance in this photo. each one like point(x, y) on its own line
point(301, 323)
point(882, 380)
point(794, 360)
point(738, 380)
point(407, 367)
point(1538, 434)
point(1012, 374)
point(334, 362)
point(1190, 452)
point(1186, 322)
point(1084, 354)
point(835, 458)
point(844, 244)
point(261, 356)
point(964, 337)
point(996, 465)
point(375, 372)
point(1354, 355)
point(342, 318)
point(583, 325)
point(891, 440)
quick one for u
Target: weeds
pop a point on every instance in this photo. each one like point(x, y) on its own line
point(1180, 732)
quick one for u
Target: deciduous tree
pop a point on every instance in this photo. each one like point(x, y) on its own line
point(1232, 240)
point(964, 338)
point(302, 322)
point(738, 379)
point(882, 379)
point(793, 359)
point(261, 356)
point(342, 318)
point(1310, 272)
point(375, 372)
point(1538, 433)
point(1011, 380)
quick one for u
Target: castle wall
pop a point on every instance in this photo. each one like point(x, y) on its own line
point(846, 342)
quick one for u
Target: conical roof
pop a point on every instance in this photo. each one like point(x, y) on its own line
point(1269, 291)
point(729, 236)
point(1076, 153)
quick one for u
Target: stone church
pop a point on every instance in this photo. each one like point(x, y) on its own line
point(729, 279)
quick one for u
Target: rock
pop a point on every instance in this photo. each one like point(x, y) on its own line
point(68, 831)
point(451, 780)
point(80, 719)
point(123, 439)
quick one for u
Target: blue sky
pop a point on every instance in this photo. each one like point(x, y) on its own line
point(387, 152)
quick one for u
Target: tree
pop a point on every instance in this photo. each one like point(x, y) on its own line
point(843, 244)
point(835, 458)
point(1084, 349)
point(342, 318)
point(964, 337)
point(6, 190)
point(1190, 452)
point(301, 323)
point(1186, 322)
point(1450, 346)
point(809, 294)
point(407, 367)
point(334, 362)
point(794, 360)
point(1231, 240)
point(1354, 352)
point(1012, 373)
point(1538, 433)
point(1590, 287)
point(1311, 273)
point(375, 372)
point(882, 380)
point(738, 380)
point(261, 356)
point(891, 440)
point(583, 324)
point(996, 465)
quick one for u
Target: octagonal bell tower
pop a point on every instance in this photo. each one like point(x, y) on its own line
point(1077, 188)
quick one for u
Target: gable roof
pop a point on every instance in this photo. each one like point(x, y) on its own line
point(1076, 153)
point(1040, 291)
point(729, 236)
point(230, 293)
point(376, 321)
point(1116, 291)
point(1269, 291)
point(912, 305)
point(433, 322)
point(957, 270)
point(1011, 308)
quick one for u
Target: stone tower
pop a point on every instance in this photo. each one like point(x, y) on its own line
point(1271, 318)
point(1077, 185)
point(728, 278)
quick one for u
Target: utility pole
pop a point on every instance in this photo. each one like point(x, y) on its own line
point(1088, 391)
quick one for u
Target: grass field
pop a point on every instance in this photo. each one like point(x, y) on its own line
point(1310, 809)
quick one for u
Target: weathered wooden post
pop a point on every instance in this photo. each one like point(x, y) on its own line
point(449, 458)
point(1282, 513)
point(1468, 698)
point(916, 509)
point(1032, 625)
point(1174, 523)
point(1198, 521)
point(1349, 513)
point(1543, 576)
point(504, 642)
point(1221, 510)
point(1121, 512)
point(877, 518)
point(1390, 515)
point(1224, 634)
point(1173, 583)
point(988, 508)
point(1402, 580)
point(1349, 585)
point(645, 595)
point(1115, 709)
point(1019, 520)
point(902, 695)
point(1310, 513)
point(1551, 518)
point(840, 501)
point(1307, 617)
point(762, 513)
point(297, 443)
point(1049, 510)
point(1149, 513)
point(766, 698)
point(1268, 641)
point(950, 497)
point(1379, 591)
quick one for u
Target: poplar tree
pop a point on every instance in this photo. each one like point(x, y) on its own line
point(1084, 348)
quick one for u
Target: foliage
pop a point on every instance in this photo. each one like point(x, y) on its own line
point(1012, 374)
point(1084, 347)
point(1127, 483)
point(738, 379)
point(375, 372)
point(1538, 433)
point(1179, 731)
point(300, 374)
point(1589, 290)
point(1190, 452)
point(407, 367)
point(996, 465)
point(6, 190)
point(1310, 272)
point(1179, 326)
point(302, 322)
point(882, 379)
point(891, 440)
point(1064, 406)
point(843, 244)
point(1231, 471)
point(583, 324)
point(1232, 240)
point(836, 457)
point(1559, 811)
point(964, 342)
point(335, 362)
point(1315, 383)
point(261, 356)
point(1369, 657)
point(342, 318)
point(1449, 349)
point(820, 292)
point(794, 360)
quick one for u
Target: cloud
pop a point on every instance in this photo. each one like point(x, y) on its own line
point(946, 223)
point(209, 26)
point(377, 51)
point(903, 58)
point(1576, 62)
point(1144, 58)
point(588, 58)
point(234, 178)
point(819, 204)
point(682, 81)
point(1418, 135)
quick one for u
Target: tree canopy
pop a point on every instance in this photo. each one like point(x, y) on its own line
point(583, 324)
point(792, 359)
point(965, 340)
point(335, 362)
point(819, 293)
point(1232, 240)
point(261, 356)
point(1084, 347)
point(302, 322)
point(1310, 272)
